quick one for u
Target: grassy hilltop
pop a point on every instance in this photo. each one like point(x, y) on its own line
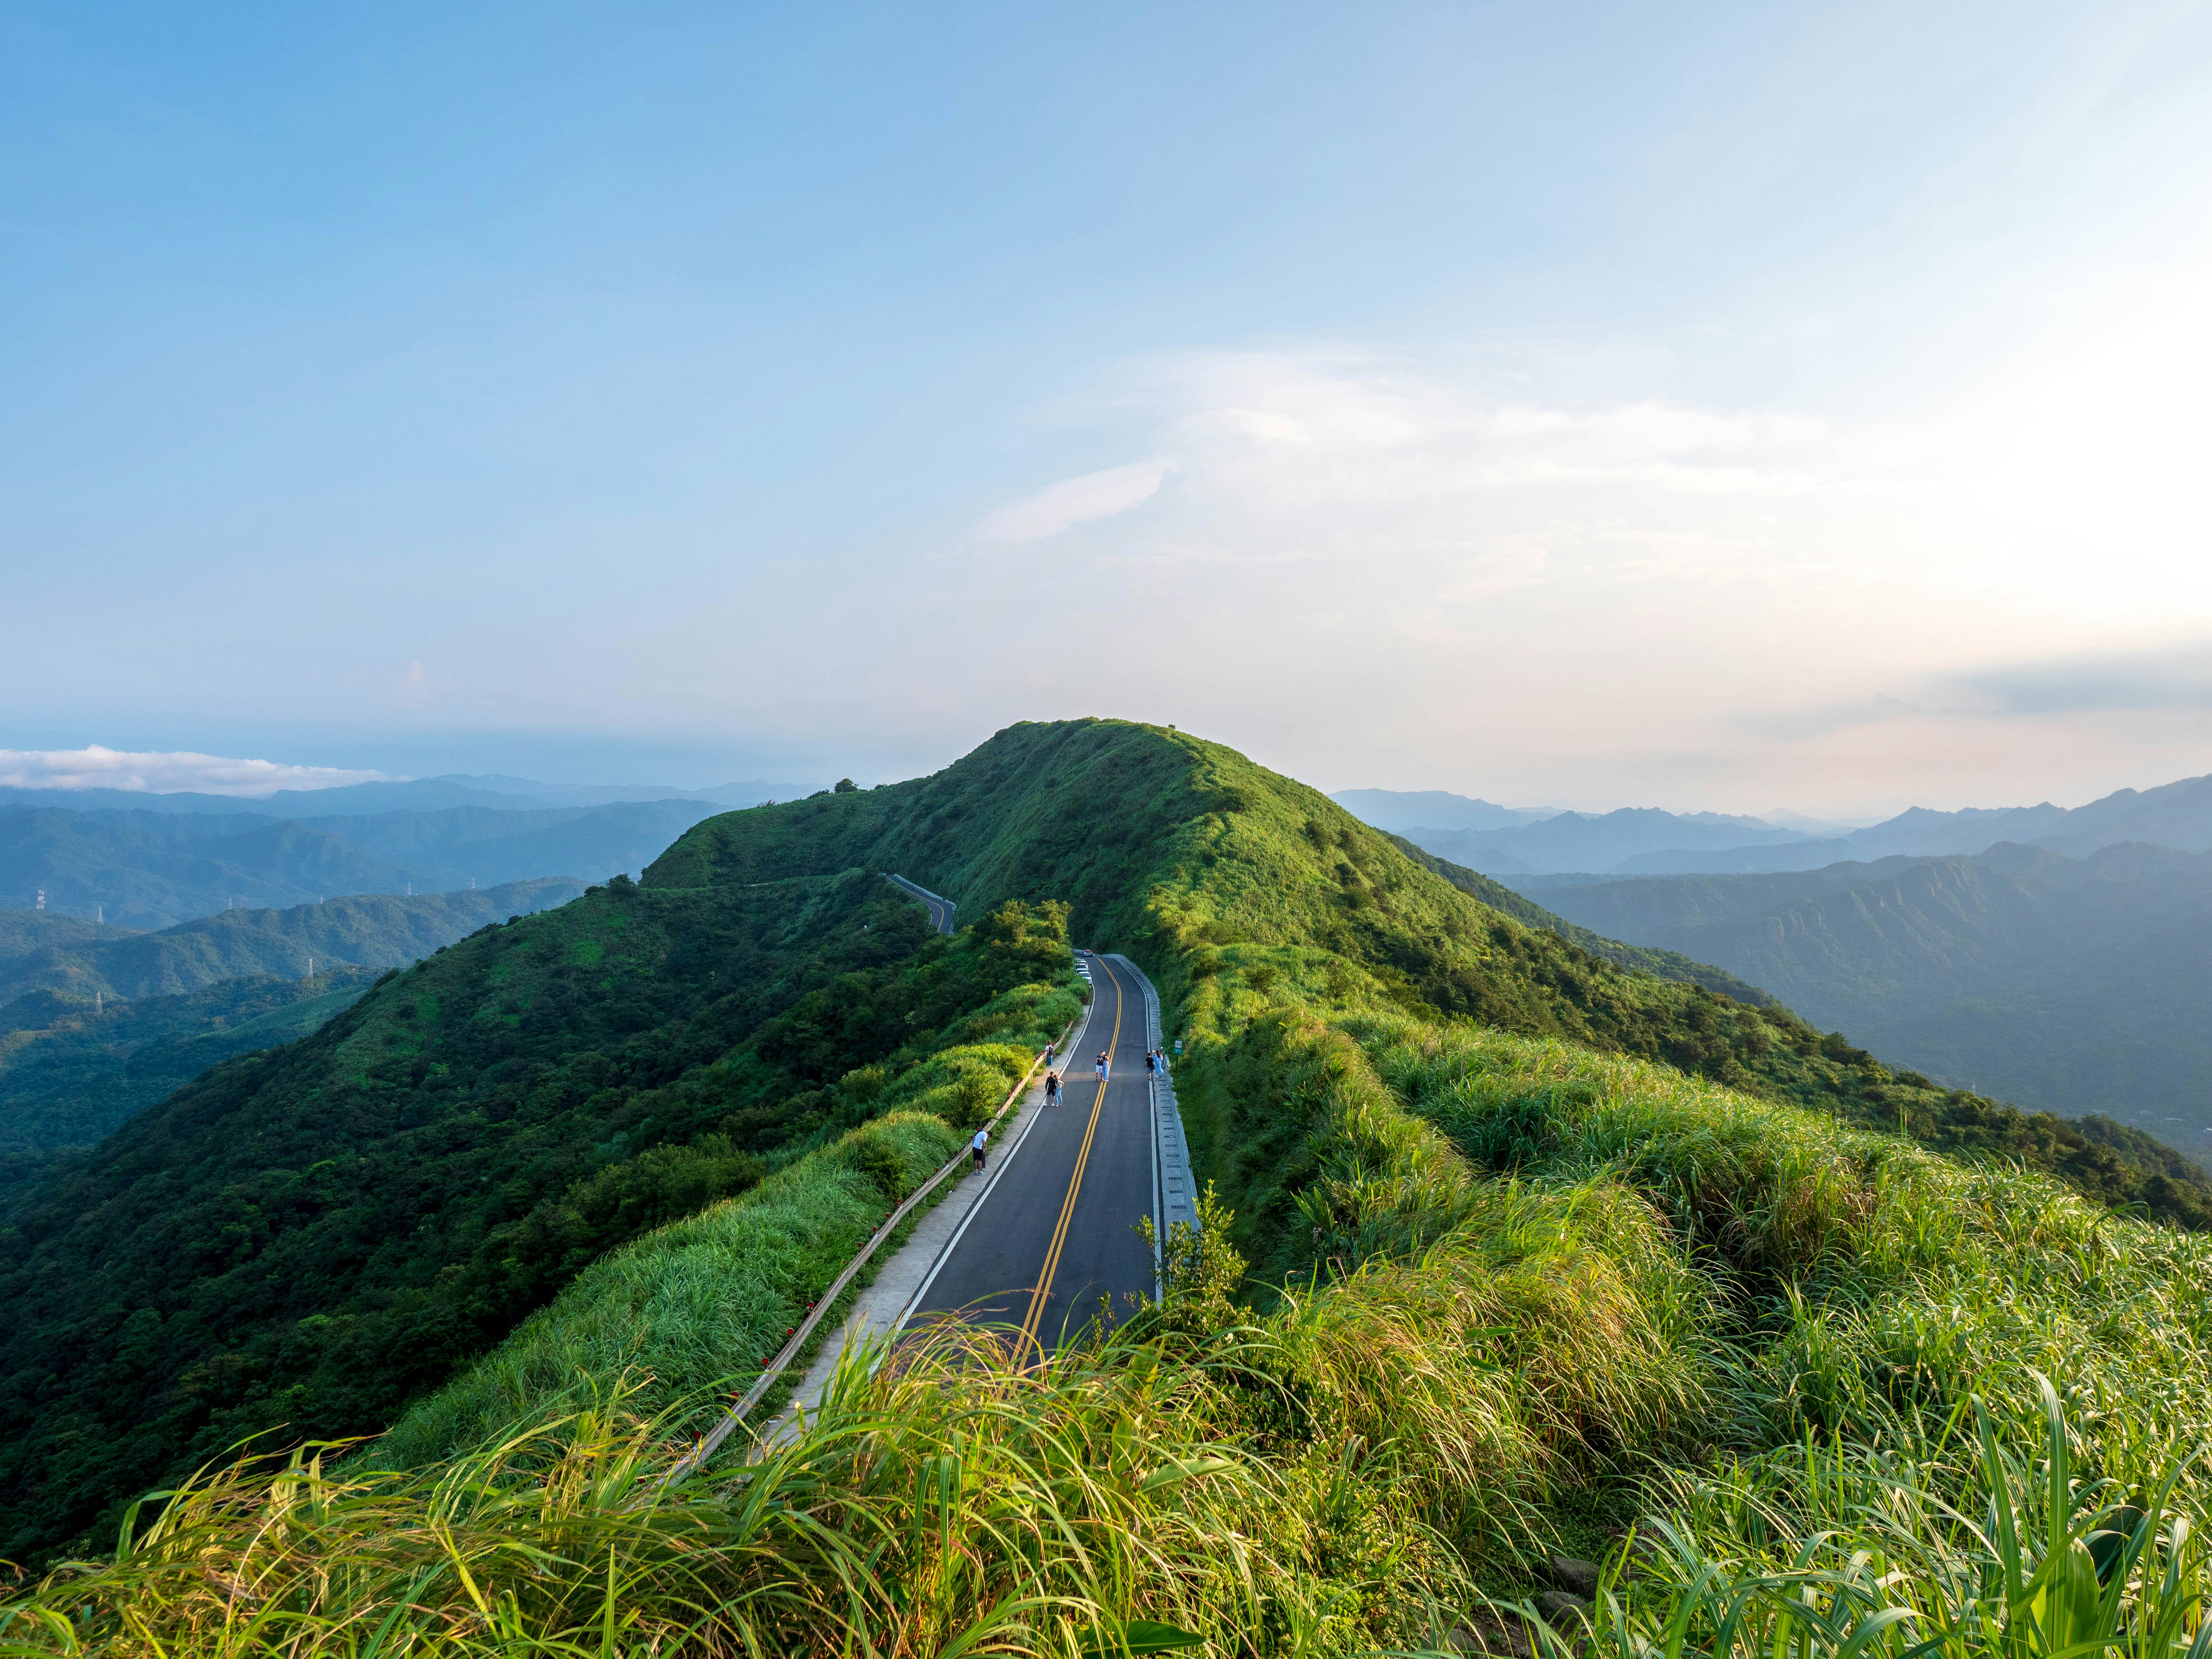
point(1512, 1246)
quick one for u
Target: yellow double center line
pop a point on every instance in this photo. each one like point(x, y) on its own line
point(1074, 1185)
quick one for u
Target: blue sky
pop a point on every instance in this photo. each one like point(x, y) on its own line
point(1722, 406)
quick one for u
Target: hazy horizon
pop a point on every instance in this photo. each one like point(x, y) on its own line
point(189, 771)
point(1706, 407)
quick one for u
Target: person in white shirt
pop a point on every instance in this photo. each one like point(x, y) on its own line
point(975, 1146)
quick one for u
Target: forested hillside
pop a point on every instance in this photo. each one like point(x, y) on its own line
point(1661, 965)
point(70, 1073)
point(97, 1022)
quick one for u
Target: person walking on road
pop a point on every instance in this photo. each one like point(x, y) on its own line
point(1152, 1063)
point(975, 1146)
point(1103, 1063)
point(1051, 1088)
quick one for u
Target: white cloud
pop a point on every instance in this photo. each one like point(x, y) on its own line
point(1318, 427)
point(1077, 500)
point(96, 768)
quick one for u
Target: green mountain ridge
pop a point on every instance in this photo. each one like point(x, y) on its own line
point(1523, 1271)
point(320, 1235)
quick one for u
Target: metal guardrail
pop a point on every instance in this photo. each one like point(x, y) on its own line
point(712, 1441)
point(940, 907)
point(1175, 1191)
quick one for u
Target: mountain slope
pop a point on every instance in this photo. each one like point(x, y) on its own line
point(97, 1024)
point(2077, 986)
point(1637, 958)
point(1177, 850)
point(69, 1075)
point(316, 1235)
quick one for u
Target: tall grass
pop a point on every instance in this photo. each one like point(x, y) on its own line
point(1947, 1546)
point(693, 1311)
point(1861, 1277)
point(951, 1502)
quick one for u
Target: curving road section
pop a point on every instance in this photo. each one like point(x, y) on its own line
point(940, 909)
point(1052, 1244)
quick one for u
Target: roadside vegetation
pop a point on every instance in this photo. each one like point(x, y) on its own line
point(1584, 1262)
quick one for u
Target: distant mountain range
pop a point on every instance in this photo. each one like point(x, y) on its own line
point(412, 794)
point(1597, 841)
point(1396, 811)
point(1638, 841)
point(2175, 815)
point(144, 868)
point(97, 1022)
point(2077, 985)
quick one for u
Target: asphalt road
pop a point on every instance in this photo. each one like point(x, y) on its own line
point(1057, 1230)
